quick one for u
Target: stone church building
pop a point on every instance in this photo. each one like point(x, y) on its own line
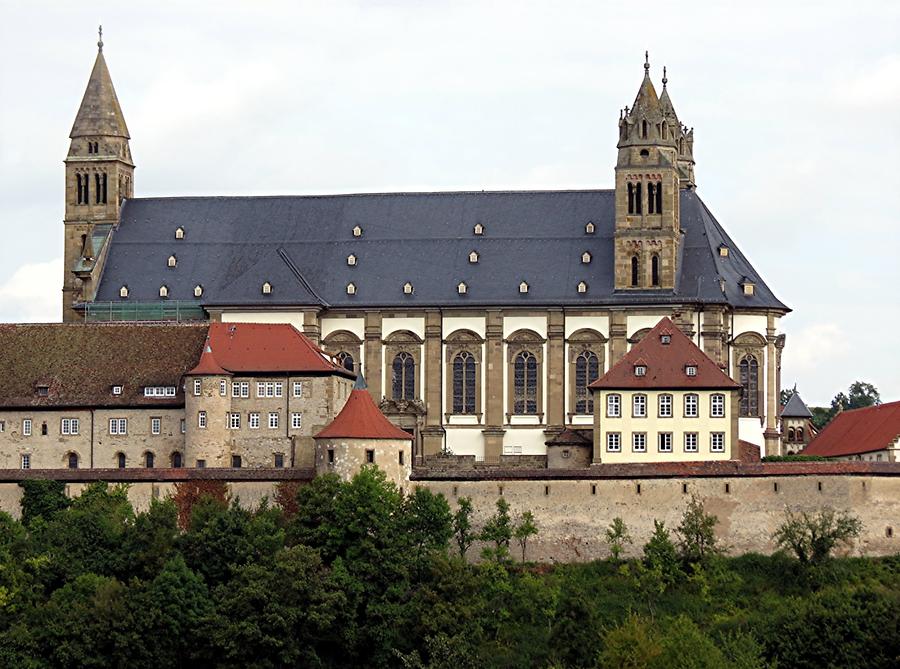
point(478, 318)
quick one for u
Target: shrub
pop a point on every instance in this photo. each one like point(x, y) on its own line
point(697, 533)
point(812, 537)
point(616, 537)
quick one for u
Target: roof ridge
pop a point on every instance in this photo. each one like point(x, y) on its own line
point(376, 194)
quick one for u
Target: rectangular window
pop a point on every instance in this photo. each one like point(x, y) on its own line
point(691, 370)
point(401, 456)
point(117, 390)
point(691, 405)
point(201, 464)
point(717, 405)
point(253, 420)
point(26, 427)
point(664, 442)
point(269, 389)
point(159, 391)
point(279, 460)
point(198, 385)
point(370, 456)
point(613, 406)
point(665, 406)
point(639, 442)
point(717, 442)
point(330, 456)
point(234, 421)
point(613, 442)
point(240, 389)
point(118, 426)
point(201, 420)
point(639, 406)
point(298, 388)
point(69, 426)
point(691, 442)
point(236, 461)
point(2, 426)
point(26, 461)
point(223, 387)
point(170, 391)
point(183, 426)
point(279, 389)
point(155, 425)
point(273, 420)
point(296, 420)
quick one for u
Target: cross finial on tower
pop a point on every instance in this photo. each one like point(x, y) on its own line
point(647, 61)
point(100, 40)
point(665, 81)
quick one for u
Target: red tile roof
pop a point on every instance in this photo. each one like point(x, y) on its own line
point(361, 419)
point(665, 364)
point(262, 347)
point(858, 431)
point(208, 365)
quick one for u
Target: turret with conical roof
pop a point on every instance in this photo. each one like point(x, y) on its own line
point(99, 176)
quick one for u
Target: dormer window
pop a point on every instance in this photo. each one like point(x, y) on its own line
point(172, 261)
point(351, 288)
point(640, 370)
point(582, 287)
point(123, 292)
point(723, 251)
point(479, 229)
point(473, 257)
point(357, 231)
point(198, 290)
point(267, 288)
point(690, 370)
point(407, 288)
point(351, 260)
point(117, 390)
point(585, 258)
point(462, 288)
point(43, 391)
point(179, 233)
point(748, 287)
point(665, 339)
point(523, 287)
point(590, 228)
point(164, 291)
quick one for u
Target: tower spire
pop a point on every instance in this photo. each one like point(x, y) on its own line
point(665, 80)
point(647, 62)
point(100, 40)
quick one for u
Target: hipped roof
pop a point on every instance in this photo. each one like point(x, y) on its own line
point(858, 431)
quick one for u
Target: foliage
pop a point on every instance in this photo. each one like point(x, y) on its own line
point(286, 497)
point(617, 537)
point(524, 530)
point(859, 395)
point(42, 498)
point(463, 532)
point(660, 554)
point(812, 537)
point(794, 458)
point(189, 493)
point(498, 530)
point(697, 533)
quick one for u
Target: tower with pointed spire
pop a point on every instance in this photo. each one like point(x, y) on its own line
point(654, 162)
point(99, 176)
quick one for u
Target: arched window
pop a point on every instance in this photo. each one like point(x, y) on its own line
point(654, 270)
point(176, 460)
point(634, 271)
point(799, 434)
point(346, 361)
point(630, 198)
point(525, 379)
point(73, 460)
point(403, 377)
point(464, 383)
point(644, 126)
point(78, 199)
point(120, 460)
point(97, 189)
point(638, 204)
point(651, 198)
point(790, 434)
point(587, 370)
point(148, 460)
point(749, 380)
point(658, 192)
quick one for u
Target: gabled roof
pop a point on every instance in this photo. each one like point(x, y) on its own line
point(795, 408)
point(99, 113)
point(267, 348)
point(361, 419)
point(858, 431)
point(80, 363)
point(573, 437)
point(665, 364)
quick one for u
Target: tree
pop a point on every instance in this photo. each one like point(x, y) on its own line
point(462, 526)
point(189, 493)
point(498, 530)
point(524, 530)
point(858, 396)
point(426, 522)
point(812, 537)
point(42, 498)
point(697, 533)
point(660, 554)
point(617, 537)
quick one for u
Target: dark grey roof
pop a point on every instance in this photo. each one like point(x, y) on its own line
point(795, 408)
point(300, 244)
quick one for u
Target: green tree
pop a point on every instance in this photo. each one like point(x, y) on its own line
point(42, 498)
point(660, 553)
point(812, 537)
point(426, 522)
point(697, 533)
point(524, 530)
point(311, 522)
point(150, 541)
point(631, 645)
point(617, 537)
point(463, 532)
point(498, 530)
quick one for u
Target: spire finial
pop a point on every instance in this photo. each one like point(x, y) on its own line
point(647, 62)
point(665, 81)
point(100, 40)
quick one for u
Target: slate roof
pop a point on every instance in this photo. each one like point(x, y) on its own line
point(300, 244)
point(858, 431)
point(795, 408)
point(81, 363)
point(99, 112)
point(665, 364)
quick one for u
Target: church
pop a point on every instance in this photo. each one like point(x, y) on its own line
point(479, 319)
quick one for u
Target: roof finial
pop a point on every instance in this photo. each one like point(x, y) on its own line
point(100, 41)
point(647, 62)
point(665, 81)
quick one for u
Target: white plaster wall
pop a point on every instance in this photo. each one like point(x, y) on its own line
point(355, 325)
point(598, 323)
point(450, 324)
point(295, 318)
point(750, 429)
point(532, 441)
point(637, 322)
point(465, 441)
point(750, 323)
point(536, 323)
point(414, 325)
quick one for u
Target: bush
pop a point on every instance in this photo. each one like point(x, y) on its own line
point(812, 537)
point(794, 458)
point(697, 533)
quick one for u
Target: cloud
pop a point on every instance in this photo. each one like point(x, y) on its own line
point(814, 343)
point(32, 293)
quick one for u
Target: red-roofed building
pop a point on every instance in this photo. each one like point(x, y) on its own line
point(665, 401)
point(872, 434)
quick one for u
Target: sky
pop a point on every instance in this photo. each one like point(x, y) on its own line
point(795, 106)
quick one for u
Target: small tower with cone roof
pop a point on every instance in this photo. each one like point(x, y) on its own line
point(99, 176)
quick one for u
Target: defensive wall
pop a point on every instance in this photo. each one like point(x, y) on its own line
point(573, 507)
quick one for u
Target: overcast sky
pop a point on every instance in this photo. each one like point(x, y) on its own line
point(796, 110)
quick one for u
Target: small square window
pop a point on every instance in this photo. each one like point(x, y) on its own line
point(117, 390)
point(665, 339)
point(201, 464)
point(370, 456)
point(691, 370)
point(640, 370)
point(236, 461)
point(279, 460)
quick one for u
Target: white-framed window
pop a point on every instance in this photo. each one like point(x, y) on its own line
point(664, 442)
point(198, 386)
point(665, 406)
point(155, 425)
point(183, 426)
point(223, 387)
point(640, 370)
point(613, 442)
point(201, 420)
point(234, 421)
point(117, 390)
point(691, 405)
point(613, 406)
point(717, 405)
point(639, 442)
point(639, 406)
point(68, 426)
point(26, 461)
point(240, 389)
point(717, 442)
point(159, 391)
point(26, 427)
point(279, 389)
point(273, 420)
point(691, 370)
point(269, 389)
point(296, 420)
point(118, 426)
point(691, 442)
point(253, 420)
point(298, 388)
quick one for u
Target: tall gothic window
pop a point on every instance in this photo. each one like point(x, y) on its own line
point(630, 198)
point(403, 377)
point(654, 270)
point(345, 360)
point(651, 198)
point(658, 193)
point(638, 204)
point(587, 368)
point(634, 271)
point(525, 379)
point(749, 379)
point(464, 383)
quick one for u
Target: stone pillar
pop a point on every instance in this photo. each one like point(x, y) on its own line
point(712, 334)
point(618, 333)
point(373, 355)
point(433, 432)
point(598, 417)
point(493, 396)
point(771, 435)
point(311, 326)
point(556, 373)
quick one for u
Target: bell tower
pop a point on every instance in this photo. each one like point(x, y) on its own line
point(99, 176)
point(648, 178)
